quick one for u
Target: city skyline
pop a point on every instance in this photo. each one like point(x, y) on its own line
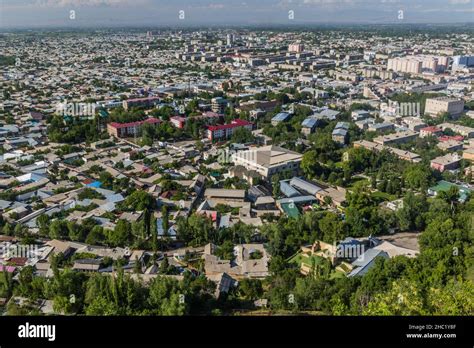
point(185, 13)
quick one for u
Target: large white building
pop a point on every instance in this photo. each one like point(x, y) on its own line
point(268, 160)
point(435, 106)
point(418, 64)
point(460, 62)
point(404, 65)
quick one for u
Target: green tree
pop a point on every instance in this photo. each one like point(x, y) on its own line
point(332, 228)
point(403, 298)
point(242, 135)
point(121, 235)
point(139, 201)
point(250, 289)
point(58, 229)
point(310, 164)
point(456, 298)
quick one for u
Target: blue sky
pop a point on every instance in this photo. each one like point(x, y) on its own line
point(92, 13)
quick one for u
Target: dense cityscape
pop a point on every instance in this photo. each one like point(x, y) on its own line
point(251, 171)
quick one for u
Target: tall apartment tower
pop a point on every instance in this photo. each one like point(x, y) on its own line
point(230, 39)
point(296, 48)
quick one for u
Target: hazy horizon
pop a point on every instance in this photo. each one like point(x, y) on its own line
point(24, 14)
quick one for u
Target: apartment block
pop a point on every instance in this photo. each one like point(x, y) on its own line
point(446, 162)
point(225, 131)
point(130, 129)
point(396, 138)
point(435, 106)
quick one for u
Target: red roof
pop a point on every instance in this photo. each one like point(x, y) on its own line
point(151, 120)
point(233, 124)
point(9, 269)
point(431, 129)
point(447, 138)
point(212, 214)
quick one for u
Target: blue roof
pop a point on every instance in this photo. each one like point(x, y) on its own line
point(282, 116)
point(94, 184)
point(160, 230)
point(328, 114)
point(296, 200)
point(305, 186)
point(159, 227)
point(342, 125)
point(310, 122)
point(365, 261)
point(288, 190)
point(339, 131)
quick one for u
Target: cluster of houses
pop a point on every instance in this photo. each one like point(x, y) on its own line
point(350, 257)
point(229, 184)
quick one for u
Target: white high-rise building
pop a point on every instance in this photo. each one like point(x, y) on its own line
point(230, 39)
point(418, 64)
point(296, 48)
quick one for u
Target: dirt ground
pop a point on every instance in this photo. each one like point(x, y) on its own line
point(407, 240)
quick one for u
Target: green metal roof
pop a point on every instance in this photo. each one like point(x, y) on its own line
point(444, 185)
point(291, 210)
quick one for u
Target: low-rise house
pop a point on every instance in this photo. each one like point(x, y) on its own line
point(250, 261)
point(224, 283)
point(450, 145)
point(162, 234)
point(468, 154)
point(178, 121)
point(280, 117)
point(402, 154)
point(465, 131)
point(381, 127)
point(335, 197)
point(446, 162)
point(358, 115)
point(224, 195)
point(396, 138)
point(394, 250)
point(87, 265)
point(341, 132)
point(366, 261)
point(433, 131)
point(308, 126)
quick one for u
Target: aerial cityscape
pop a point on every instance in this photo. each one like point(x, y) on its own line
point(236, 168)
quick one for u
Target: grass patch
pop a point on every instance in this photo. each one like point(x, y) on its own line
point(470, 272)
point(383, 196)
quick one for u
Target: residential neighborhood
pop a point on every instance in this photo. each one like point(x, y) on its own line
point(236, 171)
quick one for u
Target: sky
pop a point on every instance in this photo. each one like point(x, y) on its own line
point(141, 13)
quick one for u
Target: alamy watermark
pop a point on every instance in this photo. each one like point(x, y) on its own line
point(11, 250)
point(393, 108)
point(76, 109)
point(243, 156)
